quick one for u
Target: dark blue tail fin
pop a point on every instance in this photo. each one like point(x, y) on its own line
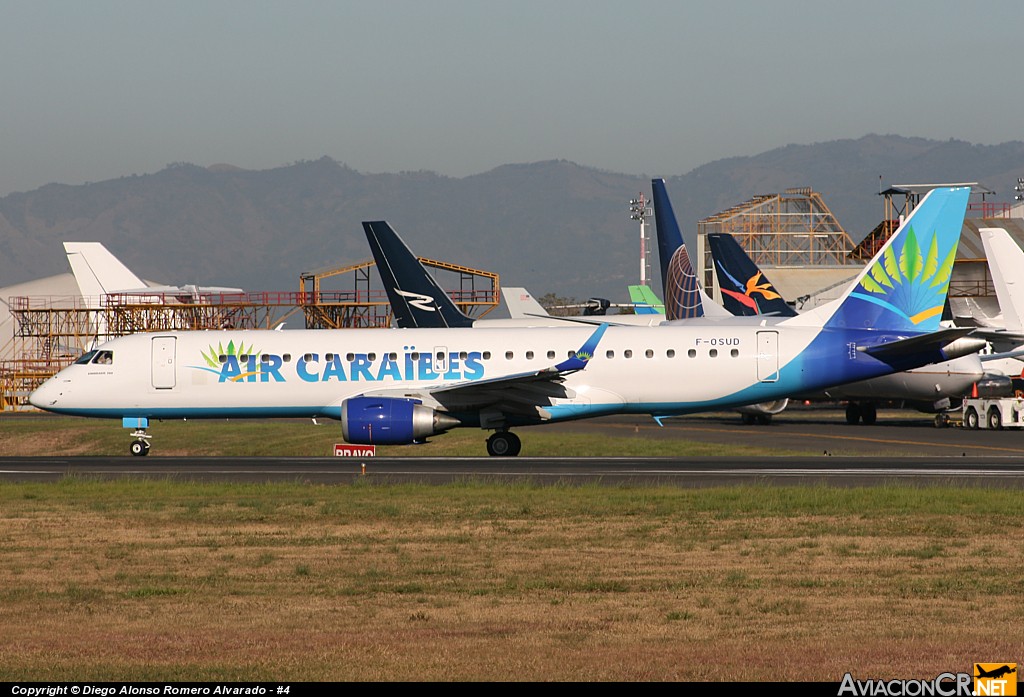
point(679, 283)
point(745, 289)
point(416, 299)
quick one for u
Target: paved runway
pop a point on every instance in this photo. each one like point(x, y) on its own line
point(690, 472)
point(904, 446)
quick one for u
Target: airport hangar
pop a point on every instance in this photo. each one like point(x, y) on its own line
point(792, 236)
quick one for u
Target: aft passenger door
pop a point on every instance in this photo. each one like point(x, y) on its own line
point(768, 356)
point(163, 362)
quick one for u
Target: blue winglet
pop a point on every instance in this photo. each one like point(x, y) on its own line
point(579, 359)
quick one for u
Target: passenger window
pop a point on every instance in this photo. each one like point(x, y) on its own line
point(415, 355)
point(649, 353)
point(609, 354)
point(551, 354)
point(671, 353)
point(487, 355)
point(713, 353)
point(508, 355)
point(287, 358)
point(529, 355)
point(308, 357)
point(692, 353)
point(372, 356)
point(628, 353)
point(330, 357)
point(734, 353)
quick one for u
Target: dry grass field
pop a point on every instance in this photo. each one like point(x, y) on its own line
point(161, 581)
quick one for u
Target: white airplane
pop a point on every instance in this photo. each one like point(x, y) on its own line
point(1006, 263)
point(98, 272)
point(401, 386)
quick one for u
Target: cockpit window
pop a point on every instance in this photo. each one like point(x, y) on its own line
point(85, 358)
point(103, 358)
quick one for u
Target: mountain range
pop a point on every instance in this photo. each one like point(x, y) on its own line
point(553, 226)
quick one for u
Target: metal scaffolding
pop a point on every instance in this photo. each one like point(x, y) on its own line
point(794, 228)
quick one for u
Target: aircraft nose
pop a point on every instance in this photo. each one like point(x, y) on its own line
point(44, 396)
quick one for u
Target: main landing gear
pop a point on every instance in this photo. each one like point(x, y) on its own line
point(140, 446)
point(866, 413)
point(503, 444)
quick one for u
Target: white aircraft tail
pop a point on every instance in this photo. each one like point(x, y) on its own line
point(520, 304)
point(1006, 262)
point(98, 272)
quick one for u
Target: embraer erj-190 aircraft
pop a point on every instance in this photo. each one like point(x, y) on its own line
point(399, 386)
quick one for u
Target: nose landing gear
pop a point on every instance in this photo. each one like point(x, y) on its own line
point(140, 446)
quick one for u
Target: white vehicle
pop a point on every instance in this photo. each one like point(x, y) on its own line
point(401, 386)
point(994, 413)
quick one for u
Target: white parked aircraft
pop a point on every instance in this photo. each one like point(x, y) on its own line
point(1006, 263)
point(397, 386)
point(98, 273)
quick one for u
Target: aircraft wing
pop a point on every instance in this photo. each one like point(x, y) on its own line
point(523, 394)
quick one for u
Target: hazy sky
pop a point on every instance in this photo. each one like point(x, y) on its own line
point(92, 90)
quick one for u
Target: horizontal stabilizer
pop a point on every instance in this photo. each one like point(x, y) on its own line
point(939, 342)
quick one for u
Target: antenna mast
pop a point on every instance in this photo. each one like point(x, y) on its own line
point(639, 210)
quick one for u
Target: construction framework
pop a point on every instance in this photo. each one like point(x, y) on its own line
point(794, 228)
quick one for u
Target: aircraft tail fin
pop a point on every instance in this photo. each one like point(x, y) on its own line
point(684, 296)
point(521, 304)
point(416, 299)
point(904, 286)
point(98, 272)
point(1005, 259)
point(745, 289)
point(680, 288)
point(645, 302)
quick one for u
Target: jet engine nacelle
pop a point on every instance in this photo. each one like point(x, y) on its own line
point(763, 408)
point(390, 421)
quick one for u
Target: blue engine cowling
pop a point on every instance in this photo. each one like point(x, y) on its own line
point(390, 421)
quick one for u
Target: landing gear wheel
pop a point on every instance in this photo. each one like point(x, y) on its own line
point(868, 414)
point(748, 419)
point(503, 444)
point(764, 419)
point(995, 421)
point(852, 413)
point(139, 447)
point(971, 418)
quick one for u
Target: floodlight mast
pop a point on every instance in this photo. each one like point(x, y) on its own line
point(639, 210)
